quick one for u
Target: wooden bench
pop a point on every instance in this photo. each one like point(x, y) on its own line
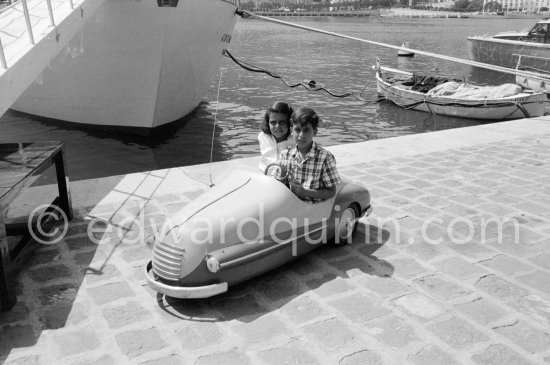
point(20, 165)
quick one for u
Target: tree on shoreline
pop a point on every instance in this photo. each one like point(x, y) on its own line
point(469, 5)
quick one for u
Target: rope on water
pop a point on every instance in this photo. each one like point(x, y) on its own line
point(507, 70)
point(310, 85)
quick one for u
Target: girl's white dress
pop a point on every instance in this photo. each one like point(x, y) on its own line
point(270, 149)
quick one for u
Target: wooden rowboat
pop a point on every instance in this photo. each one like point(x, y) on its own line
point(392, 86)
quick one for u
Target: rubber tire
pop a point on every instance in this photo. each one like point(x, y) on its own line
point(344, 232)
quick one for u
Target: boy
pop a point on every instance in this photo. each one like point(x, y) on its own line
point(313, 174)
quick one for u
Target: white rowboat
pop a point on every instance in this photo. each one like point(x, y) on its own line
point(523, 105)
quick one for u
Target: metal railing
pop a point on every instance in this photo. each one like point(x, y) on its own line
point(3, 62)
point(16, 7)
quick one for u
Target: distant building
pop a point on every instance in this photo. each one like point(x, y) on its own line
point(507, 5)
point(440, 4)
point(288, 2)
point(530, 5)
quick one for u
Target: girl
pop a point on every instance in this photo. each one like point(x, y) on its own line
point(275, 135)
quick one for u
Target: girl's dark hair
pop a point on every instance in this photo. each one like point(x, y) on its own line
point(277, 107)
point(304, 116)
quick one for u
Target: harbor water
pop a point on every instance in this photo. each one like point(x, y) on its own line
point(231, 114)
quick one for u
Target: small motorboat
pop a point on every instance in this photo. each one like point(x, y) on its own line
point(247, 225)
point(455, 98)
point(540, 79)
point(404, 51)
point(498, 49)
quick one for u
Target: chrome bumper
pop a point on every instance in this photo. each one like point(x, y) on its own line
point(182, 291)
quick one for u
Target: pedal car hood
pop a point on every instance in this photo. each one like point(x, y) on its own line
point(244, 208)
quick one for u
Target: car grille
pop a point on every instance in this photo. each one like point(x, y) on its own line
point(167, 260)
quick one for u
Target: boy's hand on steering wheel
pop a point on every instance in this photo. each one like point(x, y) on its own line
point(277, 171)
point(297, 188)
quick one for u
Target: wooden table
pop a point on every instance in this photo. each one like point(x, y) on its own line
point(20, 165)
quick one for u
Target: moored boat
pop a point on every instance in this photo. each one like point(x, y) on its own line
point(136, 64)
point(540, 79)
point(455, 99)
point(404, 51)
point(498, 49)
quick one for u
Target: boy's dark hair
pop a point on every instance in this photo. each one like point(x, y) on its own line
point(304, 116)
point(277, 107)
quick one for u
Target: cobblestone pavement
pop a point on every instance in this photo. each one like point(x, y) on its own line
point(453, 267)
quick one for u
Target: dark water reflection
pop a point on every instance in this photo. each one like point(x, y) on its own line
point(338, 64)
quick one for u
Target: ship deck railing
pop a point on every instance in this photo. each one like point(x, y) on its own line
point(32, 34)
point(28, 20)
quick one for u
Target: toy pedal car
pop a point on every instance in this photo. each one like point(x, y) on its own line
point(245, 226)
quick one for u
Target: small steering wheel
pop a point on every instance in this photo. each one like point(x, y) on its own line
point(277, 171)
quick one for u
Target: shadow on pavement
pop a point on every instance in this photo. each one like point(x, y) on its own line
point(46, 289)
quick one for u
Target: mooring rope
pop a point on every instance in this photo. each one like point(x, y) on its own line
point(523, 110)
point(310, 85)
point(214, 127)
point(487, 66)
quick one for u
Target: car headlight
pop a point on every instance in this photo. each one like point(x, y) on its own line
point(213, 264)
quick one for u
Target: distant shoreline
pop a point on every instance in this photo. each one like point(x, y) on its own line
point(400, 13)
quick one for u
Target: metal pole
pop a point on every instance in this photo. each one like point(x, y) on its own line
point(50, 10)
point(28, 20)
point(2, 56)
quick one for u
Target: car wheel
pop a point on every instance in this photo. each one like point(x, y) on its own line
point(347, 225)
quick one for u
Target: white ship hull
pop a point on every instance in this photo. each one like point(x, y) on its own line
point(135, 64)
